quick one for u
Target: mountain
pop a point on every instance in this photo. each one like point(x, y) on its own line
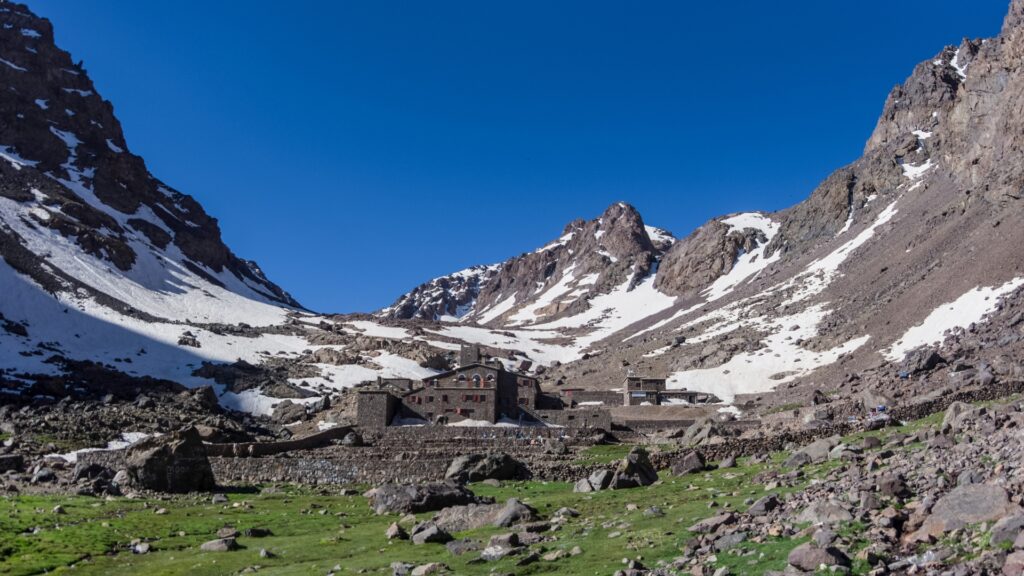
point(109, 274)
point(586, 260)
point(915, 245)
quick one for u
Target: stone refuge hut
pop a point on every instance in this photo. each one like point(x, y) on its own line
point(480, 388)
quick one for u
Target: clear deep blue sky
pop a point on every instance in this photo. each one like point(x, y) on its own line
point(356, 149)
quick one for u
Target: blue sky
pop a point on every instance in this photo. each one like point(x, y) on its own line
point(356, 149)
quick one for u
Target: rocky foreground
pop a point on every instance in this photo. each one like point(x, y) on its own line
point(942, 495)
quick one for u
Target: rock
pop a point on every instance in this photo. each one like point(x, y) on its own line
point(352, 440)
point(730, 541)
point(141, 548)
point(219, 499)
point(287, 412)
point(690, 463)
point(713, 524)
point(728, 462)
point(634, 470)
point(809, 557)
point(1014, 564)
point(43, 475)
point(220, 545)
point(825, 512)
point(58, 509)
point(514, 512)
point(401, 568)
point(396, 532)
point(227, 532)
point(819, 449)
point(416, 498)
point(428, 532)
point(893, 486)
point(600, 479)
point(460, 547)
point(583, 485)
point(1007, 530)
point(554, 555)
point(477, 467)
point(964, 506)
point(764, 505)
point(257, 532)
point(921, 360)
point(796, 460)
point(426, 569)
point(870, 443)
point(175, 462)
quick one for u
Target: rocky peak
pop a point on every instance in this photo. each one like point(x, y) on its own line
point(60, 138)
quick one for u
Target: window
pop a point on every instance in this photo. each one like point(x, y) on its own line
point(490, 377)
point(522, 401)
point(430, 398)
point(444, 398)
point(461, 378)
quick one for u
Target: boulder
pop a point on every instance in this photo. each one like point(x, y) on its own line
point(428, 532)
point(809, 557)
point(175, 462)
point(416, 498)
point(286, 412)
point(690, 463)
point(600, 479)
point(634, 470)
point(477, 467)
point(1007, 530)
point(825, 512)
point(921, 360)
point(514, 512)
point(764, 505)
point(964, 506)
point(713, 524)
point(219, 545)
point(473, 516)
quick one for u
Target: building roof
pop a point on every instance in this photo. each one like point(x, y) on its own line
point(499, 367)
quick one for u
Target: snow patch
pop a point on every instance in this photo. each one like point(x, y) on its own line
point(965, 310)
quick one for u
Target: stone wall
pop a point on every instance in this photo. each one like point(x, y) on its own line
point(598, 418)
point(253, 449)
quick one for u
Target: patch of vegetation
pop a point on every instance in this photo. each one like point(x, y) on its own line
point(783, 408)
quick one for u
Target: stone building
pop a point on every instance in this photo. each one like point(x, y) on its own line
point(478, 389)
point(641, 390)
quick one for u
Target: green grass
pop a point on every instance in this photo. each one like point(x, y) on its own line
point(315, 530)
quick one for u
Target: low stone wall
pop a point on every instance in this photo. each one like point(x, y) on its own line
point(640, 425)
point(254, 449)
point(305, 470)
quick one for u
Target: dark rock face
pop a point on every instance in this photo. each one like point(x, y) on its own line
point(100, 196)
point(710, 252)
point(173, 463)
point(453, 295)
point(406, 499)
